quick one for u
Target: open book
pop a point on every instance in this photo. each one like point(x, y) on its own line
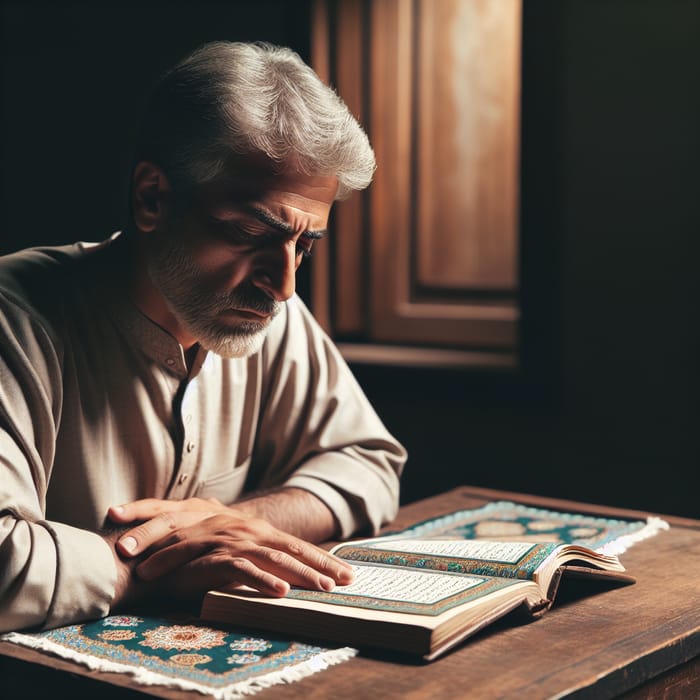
point(419, 596)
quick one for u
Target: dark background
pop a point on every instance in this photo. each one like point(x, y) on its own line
point(604, 407)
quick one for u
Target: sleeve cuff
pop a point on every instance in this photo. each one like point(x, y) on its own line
point(335, 502)
point(86, 576)
point(360, 496)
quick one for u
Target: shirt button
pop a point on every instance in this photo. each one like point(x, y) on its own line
point(183, 478)
point(170, 362)
point(190, 446)
point(188, 418)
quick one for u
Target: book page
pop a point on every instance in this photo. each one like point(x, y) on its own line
point(476, 557)
point(507, 552)
point(401, 590)
point(409, 586)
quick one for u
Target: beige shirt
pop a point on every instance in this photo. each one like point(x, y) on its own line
point(97, 408)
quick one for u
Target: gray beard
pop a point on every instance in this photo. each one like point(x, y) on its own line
point(197, 308)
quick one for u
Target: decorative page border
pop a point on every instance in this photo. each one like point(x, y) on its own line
point(483, 587)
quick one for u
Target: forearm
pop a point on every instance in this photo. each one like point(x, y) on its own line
point(292, 510)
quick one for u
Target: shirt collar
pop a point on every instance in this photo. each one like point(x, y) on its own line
point(154, 341)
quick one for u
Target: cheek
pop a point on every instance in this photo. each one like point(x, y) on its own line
point(223, 268)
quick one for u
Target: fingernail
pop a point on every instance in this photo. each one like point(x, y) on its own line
point(128, 543)
point(328, 584)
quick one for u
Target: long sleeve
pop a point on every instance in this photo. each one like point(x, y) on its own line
point(50, 573)
point(318, 430)
point(97, 407)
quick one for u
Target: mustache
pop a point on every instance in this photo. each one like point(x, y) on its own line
point(251, 298)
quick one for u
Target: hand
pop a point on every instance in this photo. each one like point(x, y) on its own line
point(196, 545)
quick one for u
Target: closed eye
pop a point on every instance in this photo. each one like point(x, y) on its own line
point(234, 234)
point(304, 246)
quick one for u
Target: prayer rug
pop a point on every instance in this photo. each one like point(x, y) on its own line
point(185, 655)
point(510, 522)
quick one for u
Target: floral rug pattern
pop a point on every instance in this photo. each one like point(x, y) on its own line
point(185, 654)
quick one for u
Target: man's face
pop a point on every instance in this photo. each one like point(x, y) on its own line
point(226, 263)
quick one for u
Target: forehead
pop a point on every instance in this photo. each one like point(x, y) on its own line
point(285, 192)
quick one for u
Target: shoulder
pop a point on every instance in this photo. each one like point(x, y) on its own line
point(44, 290)
point(38, 280)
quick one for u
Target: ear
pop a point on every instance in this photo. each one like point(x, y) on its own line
point(149, 196)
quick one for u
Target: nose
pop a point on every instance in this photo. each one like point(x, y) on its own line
point(275, 271)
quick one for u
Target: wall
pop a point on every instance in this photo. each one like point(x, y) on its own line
point(605, 407)
point(73, 75)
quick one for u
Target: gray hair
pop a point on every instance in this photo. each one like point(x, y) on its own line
point(233, 98)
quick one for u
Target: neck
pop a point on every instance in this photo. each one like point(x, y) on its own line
point(148, 299)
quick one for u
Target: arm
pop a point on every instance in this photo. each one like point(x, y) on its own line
point(319, 433)
point(293, 510)
point(50, 573)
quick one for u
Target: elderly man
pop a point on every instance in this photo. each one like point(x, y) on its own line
point(172, 419)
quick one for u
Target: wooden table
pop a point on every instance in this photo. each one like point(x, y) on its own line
point(639, 641)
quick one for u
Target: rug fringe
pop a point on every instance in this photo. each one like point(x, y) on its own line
point(234, 691)
point(653, 526)
point(290, 674)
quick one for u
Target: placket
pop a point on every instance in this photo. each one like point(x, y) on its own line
point(190, 447)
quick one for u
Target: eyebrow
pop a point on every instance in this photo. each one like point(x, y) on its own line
point(271, 220)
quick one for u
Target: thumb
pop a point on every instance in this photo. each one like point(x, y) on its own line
point(143, 509)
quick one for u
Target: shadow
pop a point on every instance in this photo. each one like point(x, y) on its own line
point(574, 588)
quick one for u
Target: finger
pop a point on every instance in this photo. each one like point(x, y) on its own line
point(293, 570)
point(314, 557)
point(144, 509)
point(217, 571)
point(261, 532)
point(181, 549)
point(199, 566)
point(319, 559)
point(148, 533)
point(147, 508)
point(243, 571)
point(172, 555)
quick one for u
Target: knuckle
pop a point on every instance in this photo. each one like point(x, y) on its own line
point(296, 548)
point(176, 537)
point(218, 524)
point(257, 525)
point(240, 564)
point(168, 519)
point(307, 572)
point(277, 557)
point(139, 533)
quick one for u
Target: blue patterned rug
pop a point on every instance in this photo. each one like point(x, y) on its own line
point(506, 521)
point(185, 655)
